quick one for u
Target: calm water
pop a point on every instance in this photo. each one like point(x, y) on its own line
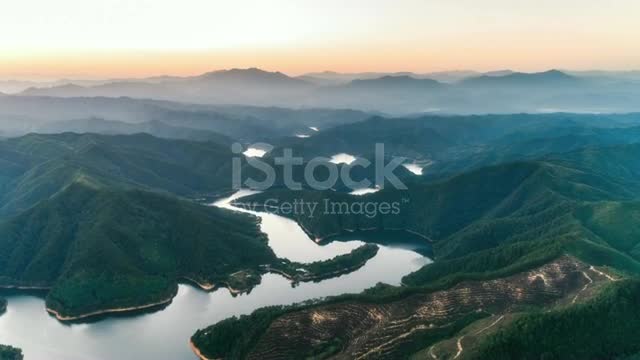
point(254, 152)
point(342, 158)
point(164, 334)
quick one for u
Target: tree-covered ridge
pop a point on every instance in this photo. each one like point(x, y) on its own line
point(71, 199)
point(576, 195)
point(145, 241)
point(603, 328)
point(38, 166)
point(459, 143)
point(488, 225)
point(319, 270)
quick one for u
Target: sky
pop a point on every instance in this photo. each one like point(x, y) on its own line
point(138, 38)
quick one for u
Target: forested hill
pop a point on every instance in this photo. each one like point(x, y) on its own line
point(518, 247)
point(69, 199)
point(37, 166)
point(145, 241)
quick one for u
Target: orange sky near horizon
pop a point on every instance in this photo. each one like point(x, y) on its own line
point(140, 38)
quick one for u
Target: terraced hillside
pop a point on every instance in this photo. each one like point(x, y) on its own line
point(361, 329)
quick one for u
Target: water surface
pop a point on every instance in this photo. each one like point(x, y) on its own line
point(164, 334)
point(342, 158)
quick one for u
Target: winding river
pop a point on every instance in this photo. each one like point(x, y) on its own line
point(164, 334)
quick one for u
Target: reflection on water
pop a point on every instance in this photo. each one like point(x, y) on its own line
point(414, 168)
point(286, 237)
point(163, 335)
point(254, 152)
point(342, 158)
point(364, 191)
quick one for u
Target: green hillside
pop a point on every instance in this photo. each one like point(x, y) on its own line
point(603, 328)
point(145, 241)
point(486, 226)
point(38, 166)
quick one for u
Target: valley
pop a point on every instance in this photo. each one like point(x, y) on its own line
point(529, 219)
point(191, 307)
point(361, 180)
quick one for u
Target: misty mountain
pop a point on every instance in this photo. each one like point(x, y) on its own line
point(154, 127)
point(547, 78)
point(335, 78)
point(402, 93)
point(251, 77)
point(235, 86)
point(393, 83)
point(23, 114)
point(497, 73)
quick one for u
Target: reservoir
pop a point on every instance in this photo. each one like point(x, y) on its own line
point(164, 333)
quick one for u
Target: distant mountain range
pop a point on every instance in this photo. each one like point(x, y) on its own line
point(20, 115)
point(547, 78)
point(335, 78)
point(502, 91)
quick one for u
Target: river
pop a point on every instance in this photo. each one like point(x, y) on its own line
point(164, 334)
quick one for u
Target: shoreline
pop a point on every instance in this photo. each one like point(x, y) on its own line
point(295, 279)
point(214, 287)
point(63, 318)
point(197, 351)
point(205, 287)
point(320, 239)
point(21, 287)
point(107, 311)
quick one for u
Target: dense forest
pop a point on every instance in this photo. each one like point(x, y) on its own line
point(146, 242)
point(494, 223)
point(500, 200)
point(603, 328)
point(319, 270)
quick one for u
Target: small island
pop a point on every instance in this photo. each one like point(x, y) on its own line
point(320, 270)
point(224, 336)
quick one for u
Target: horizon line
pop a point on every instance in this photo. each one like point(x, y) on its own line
point(35, 77)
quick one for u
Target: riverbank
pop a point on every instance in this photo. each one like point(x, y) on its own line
point(321, 239)
point(24, 287)
point(169, 330)
point(60, 317)
point(321, 270)
point(197, 351)
point(213, 287)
